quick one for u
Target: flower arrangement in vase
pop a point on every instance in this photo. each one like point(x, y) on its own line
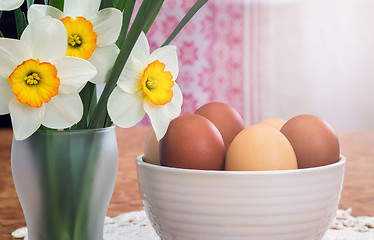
point(64, 151)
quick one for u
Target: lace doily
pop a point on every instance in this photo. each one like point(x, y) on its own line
point(135, 226)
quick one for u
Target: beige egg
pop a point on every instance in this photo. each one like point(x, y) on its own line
point(151, 153)
point(274, 122)
point(260, 148)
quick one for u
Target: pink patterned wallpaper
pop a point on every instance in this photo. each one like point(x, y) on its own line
point(211, 50)
point(276, 58)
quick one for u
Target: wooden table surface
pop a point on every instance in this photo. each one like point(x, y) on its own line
point(358, 191)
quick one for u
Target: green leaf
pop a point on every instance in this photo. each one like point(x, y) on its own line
point(185, 20)
point(29, 2)
point(57, 4)
point(1, 34)
point(106, 4)
point(92, 104)
point(146, 10)
point(108, 121)
point(20, 21)
point(86, 94)
point(120, 4)
point(129, 8)
point(153, 18)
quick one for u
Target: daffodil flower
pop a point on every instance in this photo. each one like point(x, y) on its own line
point(147, 85)
point(7, 5)
point(39, 84)
point(91, 34)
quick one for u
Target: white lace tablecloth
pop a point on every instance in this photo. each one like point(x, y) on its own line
point(135, 226)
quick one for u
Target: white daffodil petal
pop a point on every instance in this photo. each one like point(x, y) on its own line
point(73, 73)
point(125, 109)
point(174, 106)
point(37, 11)
point(6, 95)
point(141, 50)
point(62, 111)
point(7, 5)
point(103, 59)
point(12, 53)
point(167, 55)
point(130, 76)
point(84, 8)
point(159, 116)
point(25, 119)
point(107, 24)
point(47, 38)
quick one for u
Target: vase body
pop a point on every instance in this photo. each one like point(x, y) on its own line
point(64, 181)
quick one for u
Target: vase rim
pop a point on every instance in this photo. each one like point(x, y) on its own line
point(77, 131)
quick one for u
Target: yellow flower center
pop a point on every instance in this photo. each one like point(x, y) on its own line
point(81, 37)
point(74, 41)
point(34, 83)
point(156, 83)
point(32, 79)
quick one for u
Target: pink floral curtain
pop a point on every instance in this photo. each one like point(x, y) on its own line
point(276, 58)
point(213, 53)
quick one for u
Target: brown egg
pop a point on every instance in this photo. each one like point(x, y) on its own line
point(192, 142)
point(274, 122)
point(227, 120)
point(260, 148)
point(313, 140)
point(151, 154)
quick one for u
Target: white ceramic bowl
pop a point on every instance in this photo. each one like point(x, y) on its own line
point(232, 205)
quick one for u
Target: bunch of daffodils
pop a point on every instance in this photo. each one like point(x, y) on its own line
point(48, 76)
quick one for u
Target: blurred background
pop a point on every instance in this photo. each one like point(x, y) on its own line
point(276, 58)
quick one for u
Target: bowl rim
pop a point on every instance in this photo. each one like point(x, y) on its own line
point(141, 163)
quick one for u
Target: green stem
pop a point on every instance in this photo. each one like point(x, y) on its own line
point(53, 210)
point(106, 4)
point(153, 18)
point(29, 3)
point(86, 94)
point(127, 13)
point(92, 104)
point(69, 183)
point(1, 14)
point(120, 4)
point(145, 12)
point(20, 21)
point(81, 224)
point(59, 4)
point(185, 20)
point(108, 121)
